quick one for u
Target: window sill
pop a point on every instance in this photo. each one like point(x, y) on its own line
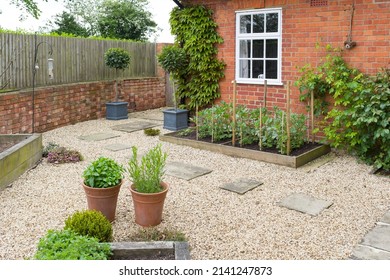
point(269, 83)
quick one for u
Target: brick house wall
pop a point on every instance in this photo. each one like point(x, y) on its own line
point(303, 26)
point(62, 105)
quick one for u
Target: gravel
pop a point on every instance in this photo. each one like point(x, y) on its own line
point(217, 223)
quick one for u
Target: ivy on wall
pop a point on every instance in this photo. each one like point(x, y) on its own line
point(196, 33)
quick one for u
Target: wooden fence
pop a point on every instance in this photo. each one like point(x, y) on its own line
point(75, 60)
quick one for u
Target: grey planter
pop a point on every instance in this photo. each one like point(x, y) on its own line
point(175, 119)
point(116, 110)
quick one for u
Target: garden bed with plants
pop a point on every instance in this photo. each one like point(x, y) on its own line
point(263, 138)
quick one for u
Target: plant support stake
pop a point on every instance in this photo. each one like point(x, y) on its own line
point(265, 93)
point(260, 127)
point(234, 114)
point(288, 120)
point(312, 115)
point(197, 121)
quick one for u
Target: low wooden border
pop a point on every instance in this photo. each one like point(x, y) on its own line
point(290, 161)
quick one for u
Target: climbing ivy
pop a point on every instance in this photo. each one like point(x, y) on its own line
point(196, 33)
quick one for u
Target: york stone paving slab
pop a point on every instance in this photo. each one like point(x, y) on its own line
point(305, 204)
point(117, 147)
point(185, 171)
point(98, 136)
point(242, 185)
point(362, 252)
point(134, 126)
point(378, 237)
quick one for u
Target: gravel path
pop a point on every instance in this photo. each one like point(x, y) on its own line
point(218, 224)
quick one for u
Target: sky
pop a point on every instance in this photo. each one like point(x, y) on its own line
point(9, 18)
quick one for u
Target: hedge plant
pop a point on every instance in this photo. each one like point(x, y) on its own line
point(196, 32)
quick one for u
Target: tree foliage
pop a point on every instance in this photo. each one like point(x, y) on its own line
point(66, 23)
point(29, 6)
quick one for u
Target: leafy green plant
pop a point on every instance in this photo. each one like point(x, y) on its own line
point(119, 59)
point(63, 155)
point(196, 32)
point(90, 223)
point(153, 234)
point(68, 245)
point(147, 174)
point(103, 173)
point(151, 131)
point(48, 148)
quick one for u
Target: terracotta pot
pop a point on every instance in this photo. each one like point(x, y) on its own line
point(148, 207)
point(103, 199)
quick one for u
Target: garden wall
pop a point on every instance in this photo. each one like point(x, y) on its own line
point(304, 25)
point(62, 105)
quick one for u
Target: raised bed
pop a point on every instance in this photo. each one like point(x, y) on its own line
point(290, 161)
point(158, 250)
point(19, 153)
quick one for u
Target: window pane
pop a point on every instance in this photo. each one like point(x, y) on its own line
point(244, 68)
point(271, 49)
point(245, 48)
point(271, 67)
point(258, 23)
point(245, 24)
point(272, 22)
point(258, 69)
point(258, 49)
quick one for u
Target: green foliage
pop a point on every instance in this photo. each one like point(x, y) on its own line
point(90, 223)
point(63, 155)
point(68, 245)
point(66, 23)
point(48, 148)
point(196, 33)
point(173, 60)
point(151, 131)
point(103, 173)
point(359, 118)
point(117, 58)
point(153, 234)
point(30, 6)
point(125, 19)
point(147, 174)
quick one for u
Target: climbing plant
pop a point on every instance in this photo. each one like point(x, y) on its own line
point(196, 33)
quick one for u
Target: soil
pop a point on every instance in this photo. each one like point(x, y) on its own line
point(295, 152)
point(7, 144)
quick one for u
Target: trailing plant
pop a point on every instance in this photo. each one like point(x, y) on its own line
point(118, 59)
point(91, 223)
point(63, 155)
point(103, 173)
point(68, 245)
point(151, 131)
point(147, 174)
point(196, 32)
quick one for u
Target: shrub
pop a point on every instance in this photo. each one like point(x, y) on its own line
point(153, 234)
point(63, 155)
point(48, 148)
point(103, 173)
point(91, 223)
point(151, 131)
point(68, 245)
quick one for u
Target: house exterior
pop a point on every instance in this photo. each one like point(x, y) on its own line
point(272, 40)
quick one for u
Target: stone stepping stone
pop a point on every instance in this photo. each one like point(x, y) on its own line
point(185, 171)
point(362, 252)
point(378, 237)
point(117, 147)
point(134, 126)
point(305, 204)
point(98, 136)
point(242, 186)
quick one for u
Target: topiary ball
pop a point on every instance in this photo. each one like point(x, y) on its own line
point(90, 223)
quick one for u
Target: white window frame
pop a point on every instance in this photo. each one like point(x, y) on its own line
point(262, 36)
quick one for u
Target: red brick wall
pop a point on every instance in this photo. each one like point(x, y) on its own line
point(68, 104)
point(303, 26)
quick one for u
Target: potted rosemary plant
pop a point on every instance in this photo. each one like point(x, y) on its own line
point(119, 59)
point(148, 189)
point(102, 181)
point(173, 60)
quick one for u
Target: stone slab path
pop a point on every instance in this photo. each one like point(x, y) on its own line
point(185, 171)
point(98, 136)
point(305, 204)
point(117, 147)
point(135, 126)
point(242, 185)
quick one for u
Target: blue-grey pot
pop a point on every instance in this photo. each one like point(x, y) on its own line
point(175, 119)
point(116, 110)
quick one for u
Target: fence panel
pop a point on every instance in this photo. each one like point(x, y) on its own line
point(75, 60)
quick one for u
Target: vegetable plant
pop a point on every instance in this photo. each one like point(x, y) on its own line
point(103, 173)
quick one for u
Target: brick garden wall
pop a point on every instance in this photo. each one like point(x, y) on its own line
point(303, 26)
point(68, 104)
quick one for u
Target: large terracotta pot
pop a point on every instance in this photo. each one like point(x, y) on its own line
point(148, 207)
point(103, 199)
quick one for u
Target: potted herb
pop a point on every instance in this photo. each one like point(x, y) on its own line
point(174, 61)
point(148, 189)
point(119, 59)
point(102, 181)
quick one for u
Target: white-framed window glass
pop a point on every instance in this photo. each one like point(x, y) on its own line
point(258, 46)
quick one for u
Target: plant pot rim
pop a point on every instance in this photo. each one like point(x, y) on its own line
point(163, 184)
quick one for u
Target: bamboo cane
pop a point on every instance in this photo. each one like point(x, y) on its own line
point(197, 121)
point(212, 126)
point(234, 114)
point(260, 128)
point(312, 115)
point(288, 124)
point(265, 93)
